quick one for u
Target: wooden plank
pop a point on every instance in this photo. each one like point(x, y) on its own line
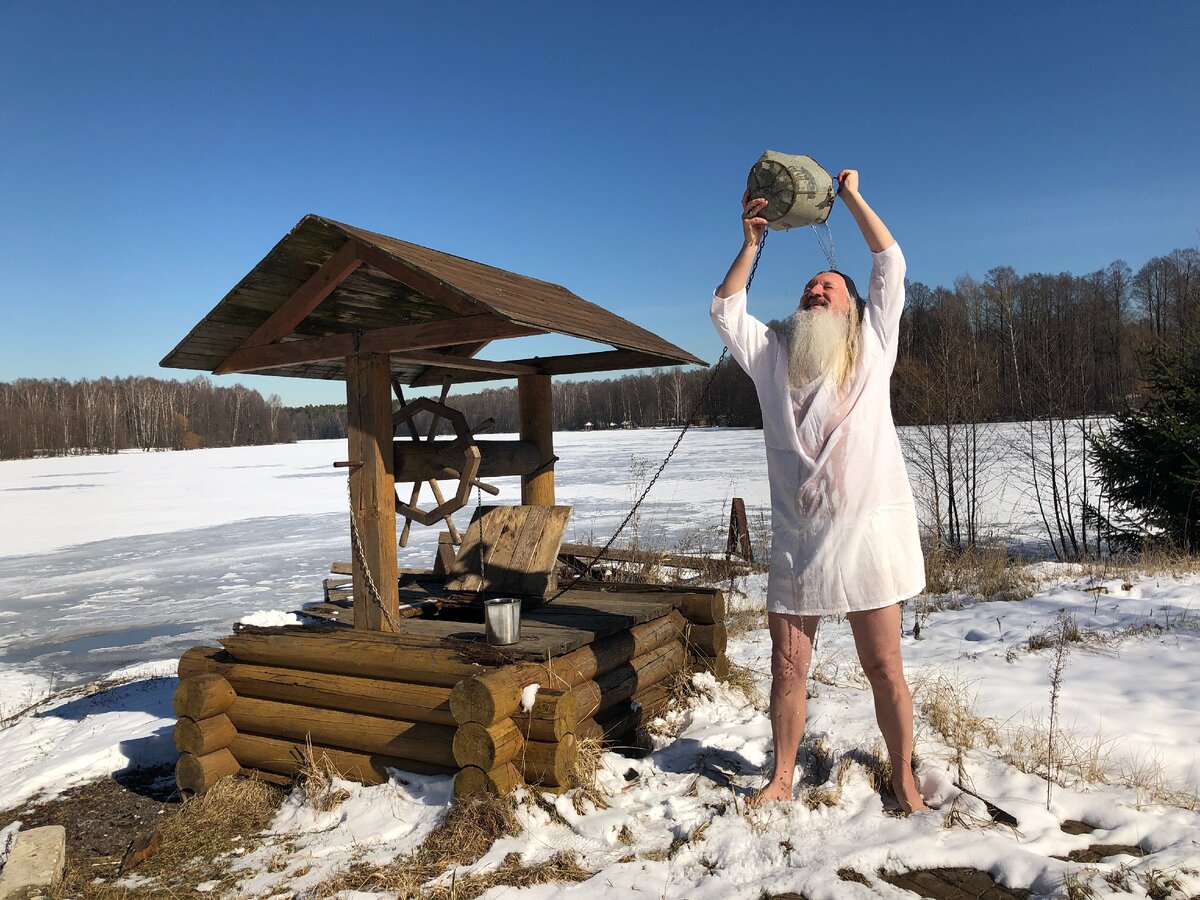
point(308, 297)
point(418, 280)
point(372, 490)
point(399, 339)
point(510, 550)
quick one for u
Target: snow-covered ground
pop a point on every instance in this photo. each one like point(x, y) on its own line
point(112, 565)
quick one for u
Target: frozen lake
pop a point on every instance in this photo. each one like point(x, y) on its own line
point(108, 561)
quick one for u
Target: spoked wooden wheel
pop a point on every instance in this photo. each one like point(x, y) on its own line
point(467, 472)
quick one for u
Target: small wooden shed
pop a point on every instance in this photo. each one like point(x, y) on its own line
point(405, 680)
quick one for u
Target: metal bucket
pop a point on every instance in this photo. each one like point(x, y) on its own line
point(797, 190)
point(502, 620)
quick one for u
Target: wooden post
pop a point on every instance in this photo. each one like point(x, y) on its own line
point(534, 406)
point(372, 487)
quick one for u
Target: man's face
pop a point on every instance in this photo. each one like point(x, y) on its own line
point(826, 291)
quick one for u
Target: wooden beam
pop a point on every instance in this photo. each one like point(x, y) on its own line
point(398, 338)
point(420, 281)
point(494, 368)
point(569, 364)
point(307, 297)
point(535, 413)
point(372, 491)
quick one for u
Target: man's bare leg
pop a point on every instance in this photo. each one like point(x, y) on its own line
point(877, 638)
point(791, 654)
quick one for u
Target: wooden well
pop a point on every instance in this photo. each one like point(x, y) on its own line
point(434, 698)
point(402, 678)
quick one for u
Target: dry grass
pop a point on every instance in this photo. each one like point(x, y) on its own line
point(464, 835)
point(1074, 758)
point(317, 777)
point(583, 776)
point(744, 680)
point(197, 840)
point(838, 669)
point(1147, 776)
point(980, 571)
point(740, 622)
point(948, 707)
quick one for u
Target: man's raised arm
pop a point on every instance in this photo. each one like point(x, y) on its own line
point(877, 236)
point(752, 233)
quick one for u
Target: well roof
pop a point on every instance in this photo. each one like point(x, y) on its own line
point(393, 296)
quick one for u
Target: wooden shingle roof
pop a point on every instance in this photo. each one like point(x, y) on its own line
point(327, 290)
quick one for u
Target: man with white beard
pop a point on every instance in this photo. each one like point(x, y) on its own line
point(843, 524)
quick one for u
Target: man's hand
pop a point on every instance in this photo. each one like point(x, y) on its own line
point(753, 225)
point(848, 181)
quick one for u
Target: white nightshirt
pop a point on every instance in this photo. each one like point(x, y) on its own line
point(843, 523)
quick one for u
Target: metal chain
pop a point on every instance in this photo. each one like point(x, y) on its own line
point(356, 546)
point(670, 453)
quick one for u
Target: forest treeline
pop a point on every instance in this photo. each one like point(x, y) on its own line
point(52, 417)
point(1009, 347)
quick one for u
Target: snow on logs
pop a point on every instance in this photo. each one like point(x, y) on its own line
point(272, 699)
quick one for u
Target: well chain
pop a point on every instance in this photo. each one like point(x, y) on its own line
point(670, 453)
point(360, 555)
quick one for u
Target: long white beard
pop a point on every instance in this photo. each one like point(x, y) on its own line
point(819, 345)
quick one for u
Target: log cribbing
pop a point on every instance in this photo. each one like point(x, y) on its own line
point(624, 681)
point(703, 609)
point(496, 694)
point(554, 714)
point(626, 718)
point(717, 665)
point(550, 763)
point(419, 741)
point(711, 640)
point(284, 757)
point(196, 774)
point(471, 781)
point(202, 697)
point(372, 696)
point(204, 736)
point(487, 747)
point(361, 655)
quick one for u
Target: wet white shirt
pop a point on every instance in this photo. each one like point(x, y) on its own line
point(843, 523)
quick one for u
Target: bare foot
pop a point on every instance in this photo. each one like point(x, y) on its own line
point(907, 795)
point(775, 791)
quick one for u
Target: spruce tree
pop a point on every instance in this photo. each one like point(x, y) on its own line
point(1149, 461)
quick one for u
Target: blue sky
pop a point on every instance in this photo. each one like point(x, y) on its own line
point(151, 153)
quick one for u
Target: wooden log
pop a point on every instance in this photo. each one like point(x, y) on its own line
point(439, 460)
point(554, 714)
point(703, 609)
point(496, 695)
point(196, 774)
point(417, 741)
point(360, 655)
point(284, 757)
point(550, 763)
point(204, 736)
point(625, 718)
point(717, 665)
point(471, 781)
point(373, 696)
point(624, 681)
point(268, 777)
point(711, 640)
point(536, 418)
point(487, 746)
point(372, 489)
point(203, 696)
